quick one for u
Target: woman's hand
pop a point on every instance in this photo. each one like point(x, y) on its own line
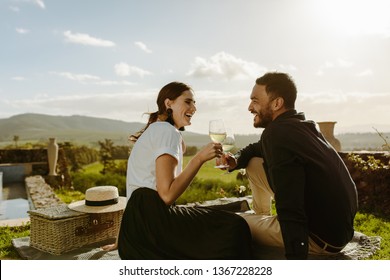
point(110, 247)
point(210, 151)
point(170, 187)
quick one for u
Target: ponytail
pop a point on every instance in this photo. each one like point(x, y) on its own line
point(152, 118)
point(170, 91)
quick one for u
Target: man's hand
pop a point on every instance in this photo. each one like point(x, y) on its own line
point(227, 159)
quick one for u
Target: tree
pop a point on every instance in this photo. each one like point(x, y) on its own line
point(106, 155)
point(16, 139)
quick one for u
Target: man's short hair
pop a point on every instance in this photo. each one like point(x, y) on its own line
point(279, 85)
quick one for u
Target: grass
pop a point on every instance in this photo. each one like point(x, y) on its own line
point(7, 251)
point(372, 225)
point(208, 171)
point(95, 167)
point(367, 223)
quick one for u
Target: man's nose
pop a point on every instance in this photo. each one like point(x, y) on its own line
point(250, 107)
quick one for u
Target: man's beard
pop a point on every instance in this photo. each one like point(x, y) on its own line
point(265, 118)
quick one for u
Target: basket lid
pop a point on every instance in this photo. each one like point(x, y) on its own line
point(56, 212)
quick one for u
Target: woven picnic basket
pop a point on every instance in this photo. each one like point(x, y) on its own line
point(58, 229)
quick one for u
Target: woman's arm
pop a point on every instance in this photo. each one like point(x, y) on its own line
point(170, 187)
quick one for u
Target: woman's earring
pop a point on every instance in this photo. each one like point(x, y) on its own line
point(170, 117)
point(169, 112)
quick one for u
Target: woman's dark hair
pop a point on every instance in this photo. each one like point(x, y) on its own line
point(279, 85)
point(171, 91)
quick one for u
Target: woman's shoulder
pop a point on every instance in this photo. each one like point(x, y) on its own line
point(162, 128)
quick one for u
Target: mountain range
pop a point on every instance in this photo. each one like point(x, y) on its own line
point(89, 130)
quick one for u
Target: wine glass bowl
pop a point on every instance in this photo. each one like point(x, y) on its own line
point(217, 131)
point(219, 134)
point(228, 142)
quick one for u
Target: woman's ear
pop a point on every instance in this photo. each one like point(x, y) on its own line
point(167, 103)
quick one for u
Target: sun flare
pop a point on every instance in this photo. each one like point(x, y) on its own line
point(355, 17)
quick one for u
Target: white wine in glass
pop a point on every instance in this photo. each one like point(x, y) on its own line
point(217, 137)
point(217, 131)
point(227, 146)
point(229, 141)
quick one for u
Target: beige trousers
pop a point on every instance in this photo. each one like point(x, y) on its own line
point(264, 226)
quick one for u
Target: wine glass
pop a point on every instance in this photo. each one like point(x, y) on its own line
point(229, 141)
point(217, 132)
point(227, 146)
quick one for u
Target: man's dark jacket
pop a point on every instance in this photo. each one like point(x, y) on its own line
point(314, 192)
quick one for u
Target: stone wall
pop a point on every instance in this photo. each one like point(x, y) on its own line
point(40, 194)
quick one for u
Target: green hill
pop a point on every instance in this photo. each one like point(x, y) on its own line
point(79, 129)
point(90, 130)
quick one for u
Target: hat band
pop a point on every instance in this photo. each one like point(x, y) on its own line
point(102, 202)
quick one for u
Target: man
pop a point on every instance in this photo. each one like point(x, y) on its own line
point(315, 196)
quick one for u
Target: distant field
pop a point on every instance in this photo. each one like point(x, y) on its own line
point(206, 172)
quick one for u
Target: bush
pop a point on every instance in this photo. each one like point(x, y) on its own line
point(116, 180)
point(84, 181)
point(191, 150)
point(371, 175)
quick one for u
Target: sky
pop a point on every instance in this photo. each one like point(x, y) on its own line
point(110, 58)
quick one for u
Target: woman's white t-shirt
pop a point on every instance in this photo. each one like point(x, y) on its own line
point(158, 139)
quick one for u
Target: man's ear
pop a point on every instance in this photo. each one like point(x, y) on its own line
point(278, 103)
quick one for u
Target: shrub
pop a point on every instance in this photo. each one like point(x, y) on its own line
point(84, 181)
point(116, 180)
point(371, 175)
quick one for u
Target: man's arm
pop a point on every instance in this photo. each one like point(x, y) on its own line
point(287, 178)
point(246, 154)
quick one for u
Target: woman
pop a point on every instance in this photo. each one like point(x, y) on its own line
point(152, 226)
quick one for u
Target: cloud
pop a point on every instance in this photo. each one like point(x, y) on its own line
point(129, 106)
point(365, 73)
point(14, 9)
point(85, 39)
point(39, 3)
point(224, 66)
point(338, 64)
point(114, 83)
point(91, 79)
point(143, 47)
point(18, 78)
point(351, 108)
point(22, 30)
point(123, 69)
point(78, 77)
point(347, 108)
point(288, 68)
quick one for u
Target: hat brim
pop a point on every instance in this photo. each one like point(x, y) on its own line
point(81, 207)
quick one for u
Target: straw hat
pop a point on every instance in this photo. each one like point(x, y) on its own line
point(101, 199)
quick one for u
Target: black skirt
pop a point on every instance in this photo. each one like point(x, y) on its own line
point(152, 230)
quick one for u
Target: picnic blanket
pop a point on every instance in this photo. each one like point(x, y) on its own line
point(360, 247)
